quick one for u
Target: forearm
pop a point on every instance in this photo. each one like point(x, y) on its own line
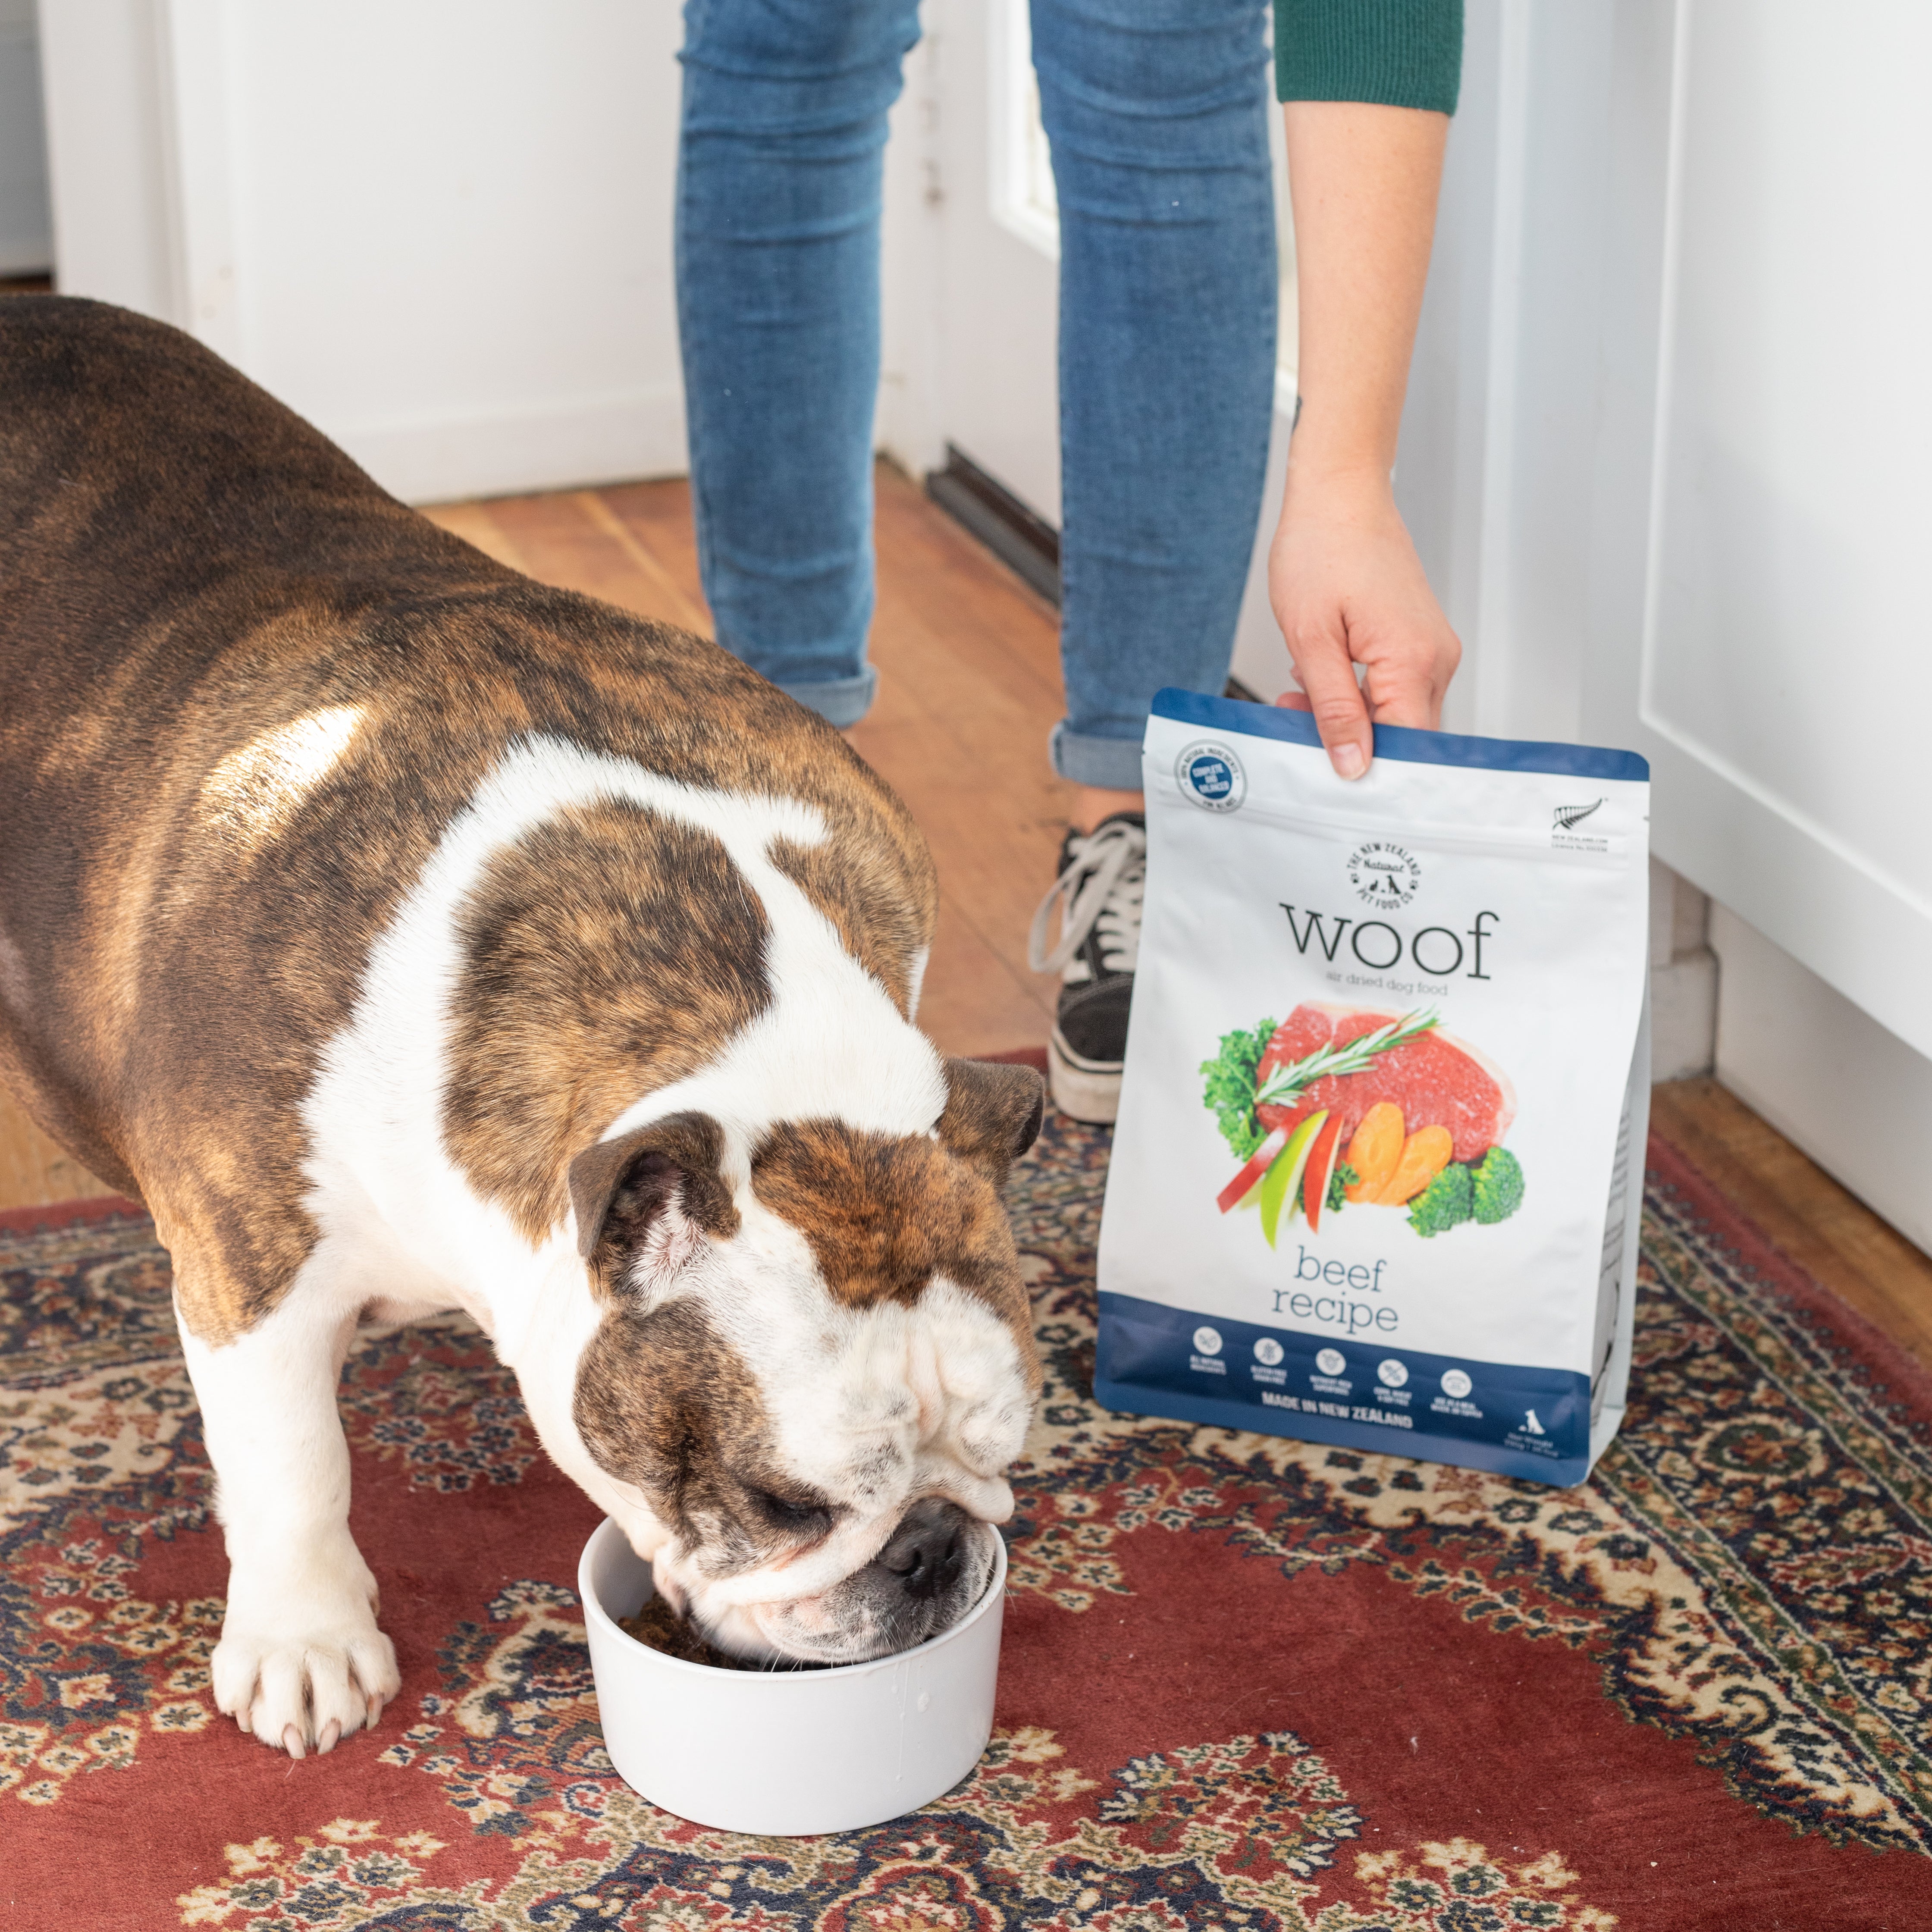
point(1363, 180)
point(1348, 589)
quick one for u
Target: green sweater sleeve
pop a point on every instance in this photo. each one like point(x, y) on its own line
point(1401, 53)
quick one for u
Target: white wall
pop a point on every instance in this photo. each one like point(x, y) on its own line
point(442, 231)
point(1495, 473)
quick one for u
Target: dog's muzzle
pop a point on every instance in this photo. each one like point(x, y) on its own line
point(925, 1556)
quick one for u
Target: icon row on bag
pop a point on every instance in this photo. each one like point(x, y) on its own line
point(1391, 1373)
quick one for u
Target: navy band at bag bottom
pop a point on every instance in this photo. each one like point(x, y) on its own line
point(1557, 1472)
point(1398, 741)
point(1363, 1389)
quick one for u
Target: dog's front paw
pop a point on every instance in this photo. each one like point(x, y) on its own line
point(302, 1668)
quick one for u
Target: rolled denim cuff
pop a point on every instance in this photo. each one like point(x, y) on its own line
point(838, 701)
point(1108, 764)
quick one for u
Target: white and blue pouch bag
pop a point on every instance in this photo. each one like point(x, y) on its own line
point(1378, 1173)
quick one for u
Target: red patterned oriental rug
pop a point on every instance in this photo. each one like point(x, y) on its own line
point(1247, 1684)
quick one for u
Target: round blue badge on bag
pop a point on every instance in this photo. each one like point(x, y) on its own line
point(1210, 776)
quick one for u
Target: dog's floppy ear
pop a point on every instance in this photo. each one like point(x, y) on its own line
point(619, 1187)
point(993, 1113)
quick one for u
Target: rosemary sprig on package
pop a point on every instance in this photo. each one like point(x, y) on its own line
point(1286, 1084)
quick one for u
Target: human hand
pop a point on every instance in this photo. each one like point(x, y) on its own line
point(1348, 589)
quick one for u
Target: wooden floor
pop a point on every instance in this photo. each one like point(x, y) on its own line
point(969, 687)
point(1820, 1226)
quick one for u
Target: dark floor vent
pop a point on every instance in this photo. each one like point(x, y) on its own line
point(1025, 542)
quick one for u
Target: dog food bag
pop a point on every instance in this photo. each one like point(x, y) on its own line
point(1378, 1168)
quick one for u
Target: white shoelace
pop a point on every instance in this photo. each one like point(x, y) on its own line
point(1101, 890)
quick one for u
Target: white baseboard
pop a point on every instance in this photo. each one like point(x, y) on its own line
point(31, 255)
point(613, 439)
point(1826, 1074)
point(26, 234)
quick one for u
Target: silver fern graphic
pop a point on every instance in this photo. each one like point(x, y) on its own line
point(1569, 816)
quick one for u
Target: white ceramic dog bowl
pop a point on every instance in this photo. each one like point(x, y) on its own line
point(787, 1754)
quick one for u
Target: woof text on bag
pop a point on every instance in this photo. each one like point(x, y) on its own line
point(1327, 939)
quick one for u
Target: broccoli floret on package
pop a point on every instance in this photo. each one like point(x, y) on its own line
point(1498, 1185)
point(1447, 1202)
point(1230, 1089)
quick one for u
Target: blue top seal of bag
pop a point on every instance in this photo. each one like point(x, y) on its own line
point(1400, 741)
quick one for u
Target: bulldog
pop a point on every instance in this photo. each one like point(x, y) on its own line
point(409, 936)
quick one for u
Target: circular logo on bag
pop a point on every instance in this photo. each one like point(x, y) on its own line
point(1331, 1361)
point(1455, 1383)
point(1268, 1352)
point(1211, 776)
point(1207, 1341)
point(1391, 1374)
point(1384, 875)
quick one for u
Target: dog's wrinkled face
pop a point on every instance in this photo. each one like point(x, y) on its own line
point(814, 1377)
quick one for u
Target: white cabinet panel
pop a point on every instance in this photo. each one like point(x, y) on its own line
point(1664, 457)
point(1781, 672)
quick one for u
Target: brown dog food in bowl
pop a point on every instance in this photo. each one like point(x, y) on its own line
point(660, 1627)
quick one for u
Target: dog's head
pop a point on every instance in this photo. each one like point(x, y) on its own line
point(814, 1370)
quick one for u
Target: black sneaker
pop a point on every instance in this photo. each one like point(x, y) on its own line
point(1102, 879)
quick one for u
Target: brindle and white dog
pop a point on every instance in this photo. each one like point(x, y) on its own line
point(411, 936)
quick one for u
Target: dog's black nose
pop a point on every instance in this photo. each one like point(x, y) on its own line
point(926, 1552)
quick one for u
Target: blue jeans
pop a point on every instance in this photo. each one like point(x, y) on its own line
point(1156, 111)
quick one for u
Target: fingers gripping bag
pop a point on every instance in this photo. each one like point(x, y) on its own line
point(1378, 1171)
